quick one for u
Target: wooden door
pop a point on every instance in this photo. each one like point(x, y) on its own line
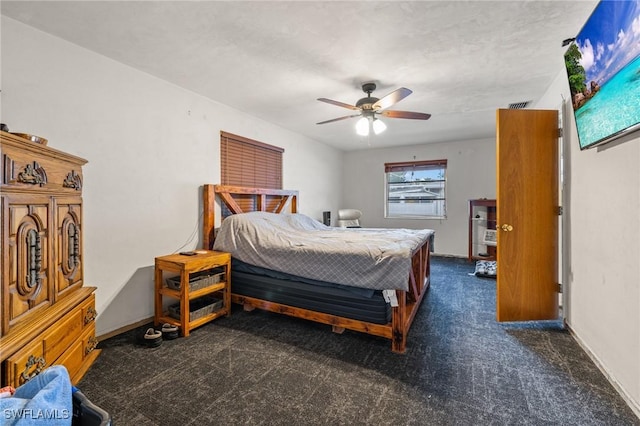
point(527, 202)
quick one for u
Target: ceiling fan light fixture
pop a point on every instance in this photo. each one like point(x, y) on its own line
point(369, 106)
point(362, 126)
point(378, 126)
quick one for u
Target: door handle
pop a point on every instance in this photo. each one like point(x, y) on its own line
point(507, 228)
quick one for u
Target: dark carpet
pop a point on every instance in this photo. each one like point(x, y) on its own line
point(461, 368)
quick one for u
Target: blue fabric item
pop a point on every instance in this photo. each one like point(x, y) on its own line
point(44, 400)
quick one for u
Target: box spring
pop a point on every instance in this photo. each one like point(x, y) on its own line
point(331, 300)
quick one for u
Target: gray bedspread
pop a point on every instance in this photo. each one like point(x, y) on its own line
point(296, 244)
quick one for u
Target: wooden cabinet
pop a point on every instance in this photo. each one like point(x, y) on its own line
point(47, 312)
point(202, 291)
point(482, 229)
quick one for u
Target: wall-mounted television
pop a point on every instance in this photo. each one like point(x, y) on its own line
point(603, 69)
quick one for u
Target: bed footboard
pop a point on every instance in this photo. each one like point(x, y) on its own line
point(409, 301)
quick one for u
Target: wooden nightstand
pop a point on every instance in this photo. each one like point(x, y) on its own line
point(201, 279)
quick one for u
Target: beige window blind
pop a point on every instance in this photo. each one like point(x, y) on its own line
point(245, 162)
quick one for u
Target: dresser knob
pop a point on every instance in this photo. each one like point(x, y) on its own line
point(92, 343)
point(38, 362)
point(90, 315)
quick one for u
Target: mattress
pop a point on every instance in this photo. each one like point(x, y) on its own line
point(328, 298)
point(370, 258)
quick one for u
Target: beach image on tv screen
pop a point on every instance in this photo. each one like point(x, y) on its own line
point(603, 67)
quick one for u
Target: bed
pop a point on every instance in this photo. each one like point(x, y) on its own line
point(367, 280)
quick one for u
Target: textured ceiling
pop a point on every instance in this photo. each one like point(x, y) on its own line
point(273, 59)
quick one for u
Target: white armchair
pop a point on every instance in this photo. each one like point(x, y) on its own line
point(349, 218)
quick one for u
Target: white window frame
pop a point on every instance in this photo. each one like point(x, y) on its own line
point(412, 209)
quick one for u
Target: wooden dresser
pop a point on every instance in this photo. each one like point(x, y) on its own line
point(48, 315)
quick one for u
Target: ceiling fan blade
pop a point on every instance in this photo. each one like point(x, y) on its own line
point(406, 114)
point(340, 104)
point(338, 119)
point(392, 98)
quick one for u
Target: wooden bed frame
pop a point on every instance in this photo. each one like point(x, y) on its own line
point(241, 200)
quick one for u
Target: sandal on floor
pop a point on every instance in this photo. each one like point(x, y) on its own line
point(152, 338)
point(169, 331)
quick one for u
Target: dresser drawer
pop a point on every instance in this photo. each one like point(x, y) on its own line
point(73, 358)
point(68, 329)
point(25, 364)
point(62, 335)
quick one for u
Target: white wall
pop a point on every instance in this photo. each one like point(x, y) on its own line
point(150, 145)
point(601, 253)
point(471, 173)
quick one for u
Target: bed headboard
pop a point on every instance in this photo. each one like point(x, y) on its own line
point(237, 199)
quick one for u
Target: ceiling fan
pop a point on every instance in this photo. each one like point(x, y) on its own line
point(369, 106)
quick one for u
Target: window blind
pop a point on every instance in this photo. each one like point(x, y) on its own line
point(410, 166)
point(249, 163)
point(245, 162)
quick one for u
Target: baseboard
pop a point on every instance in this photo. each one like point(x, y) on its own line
point(453, 256)
point(627, 398)
point(123, 329)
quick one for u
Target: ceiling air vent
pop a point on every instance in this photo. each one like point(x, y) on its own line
point(519, 105)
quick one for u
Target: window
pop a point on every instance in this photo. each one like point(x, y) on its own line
point(245, 162)
point(415, 189)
